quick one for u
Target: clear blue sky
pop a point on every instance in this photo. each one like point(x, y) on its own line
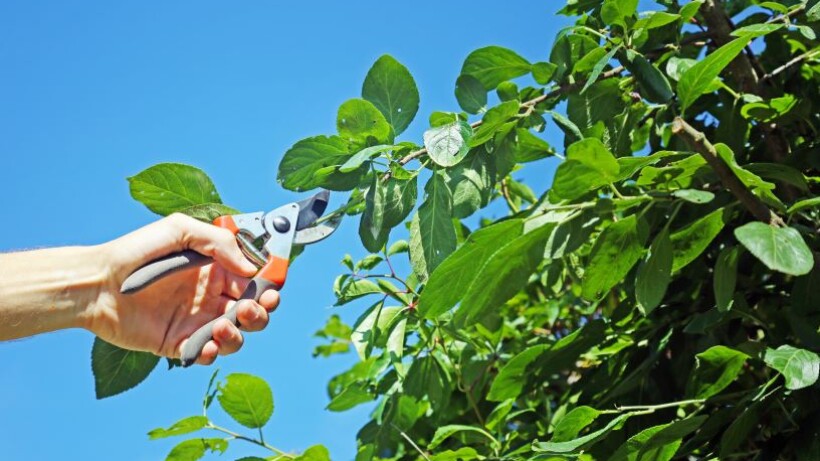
point(92, 92)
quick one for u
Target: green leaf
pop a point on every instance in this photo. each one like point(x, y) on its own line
point(803, 204)
point(314, 453)
point(655, 19)
point(117, 370)
point(448, 144)
point(432, 235)
point(599, 67)
point(445, 432)
point(653, 84)
point(716, 368)
point(568, 50)
point(694, 196)
point(471, 184)
point(781, 249)
point(725, 277)
point(813, 12)
point(391, 88)
point(493, 121)
point(470, 94)
point(354, 162)
point(400, 246)
point(530, 147)
point(689, 10)
point(799, 366)
point(194, 449)
point(353, 289)
point(689, 242)
point(503, 274)
point(544, 360)
point(358, 120)
point(426, 377)
point(572, 446)
point(542, 72)
point(168, 187)
point(697, 79)
point(183, 426)
point(758, 186)
point(588, 166)
point(616, 11)
point(300, 167)
point(492, 65)
point(462, 454)
point(654, 273)
point(352, 396)
point(756, 30)
point(207, 212)
point(573, 423)
point(663, 443)
point(771, 110)
point(616, 250)
point(247, 399)
point(387, 204)
point(454, 276)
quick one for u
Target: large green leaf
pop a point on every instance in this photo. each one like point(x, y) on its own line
point(183, 426)
point(617, 11)
point(725, 278)
point(660, 443)
point(689, 242)
point(530, 147)
point(492, 65)
point(448, 144)
point(493, 121)
point(194, 449)
point(391, 88)
point(387, 203)
point(314, 453)
point(451, 279)
point(313, 162)
point(432, 234)
point(116, 369)
point(781, 249)
point(247, 399)
point(695, 81)
point(426, 377)
point(616, 250)
point(352, 396)
point(169, 187)
point(470, 94)
point(654, 273)
point(572, 446)
point(471, 184)
point(568, 50)
point(799, 366)
point(588, 166)
point(653, 84)
point(544, 360)
point(568, 427)
point(503, 273)
point(356, 161)
point(359, 120)
point(716, 368)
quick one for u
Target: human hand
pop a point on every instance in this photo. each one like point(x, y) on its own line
point(160, 317)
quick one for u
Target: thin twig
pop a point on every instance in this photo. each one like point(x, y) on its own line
point(698, 142)
point(248, 439)
point(803, 57)
point(659, 406)
point(411, 442)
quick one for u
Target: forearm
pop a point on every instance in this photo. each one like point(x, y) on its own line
point(50, 289)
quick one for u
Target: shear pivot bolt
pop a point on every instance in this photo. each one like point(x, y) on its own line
point(281, 224)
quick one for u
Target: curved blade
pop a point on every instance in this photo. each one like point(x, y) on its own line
point(311, 209)
point(316, 233)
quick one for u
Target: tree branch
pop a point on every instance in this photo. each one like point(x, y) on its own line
point(698, 142)
point(803, 57)
point(565, 88)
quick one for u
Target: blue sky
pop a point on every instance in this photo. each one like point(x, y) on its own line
point(94, 92)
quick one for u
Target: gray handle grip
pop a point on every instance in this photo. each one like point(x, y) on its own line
point(193, 347)
point(161, 267)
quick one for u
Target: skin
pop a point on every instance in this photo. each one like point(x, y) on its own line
point(79, 287)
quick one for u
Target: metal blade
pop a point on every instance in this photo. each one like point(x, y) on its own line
point(316, 233)
point(311, 209)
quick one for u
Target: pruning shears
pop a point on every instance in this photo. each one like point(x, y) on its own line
point(266, 239)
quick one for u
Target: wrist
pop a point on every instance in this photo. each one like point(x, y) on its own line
point(50, 289)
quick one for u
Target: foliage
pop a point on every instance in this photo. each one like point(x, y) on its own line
point(658, 300)
point(248, 400)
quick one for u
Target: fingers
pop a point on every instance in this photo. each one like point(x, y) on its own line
point(227, 338)
point(212, 241)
